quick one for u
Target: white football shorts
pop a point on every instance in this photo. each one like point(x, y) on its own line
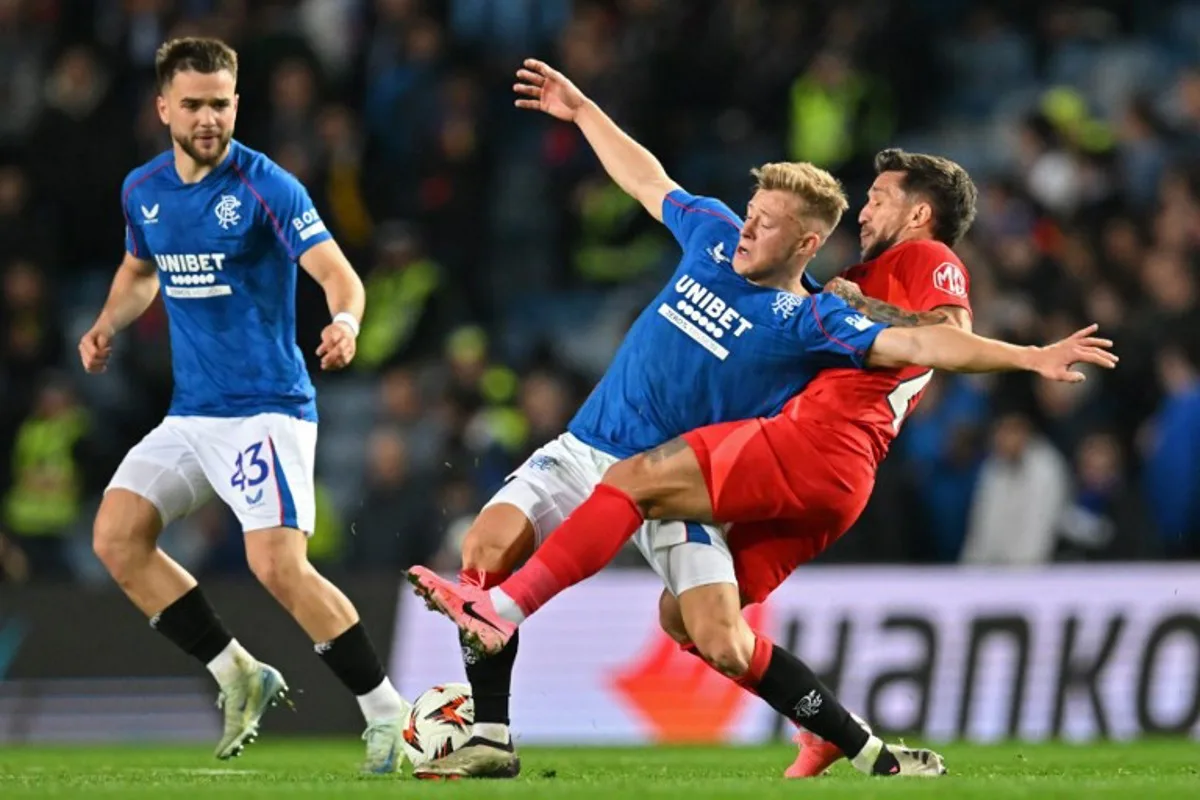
point(261, 467)
point(556, 479)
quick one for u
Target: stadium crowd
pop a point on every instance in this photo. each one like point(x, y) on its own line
point(502, 267)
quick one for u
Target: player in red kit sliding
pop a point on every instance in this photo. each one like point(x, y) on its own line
point(792, 483)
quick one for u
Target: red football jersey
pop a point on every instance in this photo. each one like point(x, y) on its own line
point(870, 405)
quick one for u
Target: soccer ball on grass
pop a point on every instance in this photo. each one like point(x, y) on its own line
point(439, 723)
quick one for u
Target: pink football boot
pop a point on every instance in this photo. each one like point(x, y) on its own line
point(469, 607)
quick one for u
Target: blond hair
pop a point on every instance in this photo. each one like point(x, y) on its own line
point(823, 198)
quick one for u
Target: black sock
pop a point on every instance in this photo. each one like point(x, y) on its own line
point(352, 658)
point(193, 626)
point(792, 689)
point(491, 681)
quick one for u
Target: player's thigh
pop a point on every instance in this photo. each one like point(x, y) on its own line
point(742, 472)
point(666, 482)
point(159, 480)
point(262, 467)
point(545, 490)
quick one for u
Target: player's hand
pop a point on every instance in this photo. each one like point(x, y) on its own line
point(1056, 361)
point(847, 290)
point(95, 348)
point(546, 89)
point(338, 346)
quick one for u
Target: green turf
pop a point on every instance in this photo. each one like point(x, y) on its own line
point(326, 769)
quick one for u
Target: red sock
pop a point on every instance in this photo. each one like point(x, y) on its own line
point(483, 579)
point(758, 662)
point(577, 550)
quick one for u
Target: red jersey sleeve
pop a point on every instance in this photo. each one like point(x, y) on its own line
point(933, 276)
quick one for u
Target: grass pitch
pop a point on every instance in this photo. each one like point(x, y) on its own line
point(290, 768)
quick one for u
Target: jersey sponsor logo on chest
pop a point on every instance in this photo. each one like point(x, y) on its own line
point(192, 275)
point(704, 316)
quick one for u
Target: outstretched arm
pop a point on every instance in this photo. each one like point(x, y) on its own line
point(881, 311)
point(633, 167)
point(898, 317)
point(948, 348)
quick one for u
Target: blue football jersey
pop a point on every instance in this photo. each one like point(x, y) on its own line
point(712, 346)
point(226, 248)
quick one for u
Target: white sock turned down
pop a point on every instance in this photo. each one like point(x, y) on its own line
point(230, 663)
point(382, 702)
point(506, 606)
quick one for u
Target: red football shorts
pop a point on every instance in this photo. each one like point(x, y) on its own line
point(792, 487)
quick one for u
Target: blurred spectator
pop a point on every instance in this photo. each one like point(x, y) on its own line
point(14, 565)
point(47, 488)
point(1144, 147)
point(1103, 519)
point(1172, 478)
point(23, 48)
point(838, 113)
point(402, 407)
point(25, 232)
point(1023, 488)
point(940, 448)
point(396, 525)
point(407, 288)
point(29, 326)
point(340, 182)
point(79, 154)
point(1052, 172)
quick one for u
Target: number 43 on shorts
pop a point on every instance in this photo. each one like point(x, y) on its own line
point(249, 471)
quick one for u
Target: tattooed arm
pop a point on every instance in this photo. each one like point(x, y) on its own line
point(880, 311)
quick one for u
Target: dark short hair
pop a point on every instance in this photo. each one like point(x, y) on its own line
point(193, 54)
point(945, 185)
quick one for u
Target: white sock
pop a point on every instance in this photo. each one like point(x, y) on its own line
point(506, 606)
point(230, 663)
point(865, 760)
point(492, 731)
point(382, 702)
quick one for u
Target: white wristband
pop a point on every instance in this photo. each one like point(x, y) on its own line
point(347, 319)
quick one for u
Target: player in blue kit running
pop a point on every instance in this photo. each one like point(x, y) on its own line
point(220, 228)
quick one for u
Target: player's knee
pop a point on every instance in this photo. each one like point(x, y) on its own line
point(121, 540)
point(670, 618)
point(278, 568)
point(725, 647)
point(495, 549)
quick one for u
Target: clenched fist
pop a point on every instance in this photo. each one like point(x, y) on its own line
point(337, 346)
point(95, 348)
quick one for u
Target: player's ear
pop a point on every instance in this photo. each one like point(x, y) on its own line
point(810, 243)
point(922, 215)
point(235, 103)
point(160, 103)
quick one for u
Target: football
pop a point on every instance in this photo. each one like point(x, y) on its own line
point(439, 722)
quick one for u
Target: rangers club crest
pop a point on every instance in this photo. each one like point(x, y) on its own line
point(785, 304)
point(226, 211)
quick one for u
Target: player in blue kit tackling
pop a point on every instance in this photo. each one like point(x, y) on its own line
point(220, 228)
point(733, 335)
